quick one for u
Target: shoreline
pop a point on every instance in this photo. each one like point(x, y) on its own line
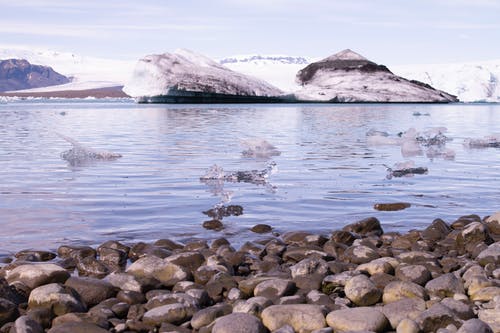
point(446, 277)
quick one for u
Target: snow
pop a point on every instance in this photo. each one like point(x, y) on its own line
point(184, 70)
point(278, 70)
point(75, 85)
point(89, 71)
point(471, 82)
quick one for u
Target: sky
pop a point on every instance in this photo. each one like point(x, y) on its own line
point(392, 32)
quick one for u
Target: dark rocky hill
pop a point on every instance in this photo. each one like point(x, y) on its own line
point(19, 74)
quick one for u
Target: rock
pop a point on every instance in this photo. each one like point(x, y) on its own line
point(26, 324)
point(213, 225)
point(168, 244)
point(73, 317)
point(34, 275)
point(493, 223)
point(145, 267)
point(206, 316)
point(190, 260)
point(297, 254)
point(19, 74)
point(461, 309)
point(141, 249)
point(390, 207)
point(486, 294)
point(398, 290)
point(61, 299)
point(476, 283)
point(475, 326)
point(275, 288)
point(261, 228)
point(368, 226)
point(309, 266)
point(34, 255)
point(175, 313)
point(418, 274)
point(407, 326)
point(79, 327)
point(445, 285)
point(169, 274)
point(360, 254)
point(436, 317)
point(357, 319)
point(126, 282)
point(473, 234)
point(114, 258)
point(184, 76)
point(90, 266)
point(489, 255)
point(406, 308)
point(490, 317)
point(92, 291)
point(253, 305)
point(238, 323)
point(384, 265)
point(8, 311)
point(302, 317)
point(436, 231)
point(76, 252)
point(361, 291)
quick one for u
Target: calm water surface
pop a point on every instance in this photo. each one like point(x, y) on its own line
point(326, 175)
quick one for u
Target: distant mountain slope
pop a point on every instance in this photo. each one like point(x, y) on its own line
point(471, 82)
point(18, 74)
point(349, 77)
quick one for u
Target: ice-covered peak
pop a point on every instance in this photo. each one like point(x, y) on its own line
point(347, 54)
point(258, 59)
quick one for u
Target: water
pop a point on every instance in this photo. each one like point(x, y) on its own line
point(325, 174)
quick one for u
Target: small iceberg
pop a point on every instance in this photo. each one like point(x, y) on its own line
point(259, 148)
point(81, 155)
point(259, 177)
point(406, 169)
point(492, 141)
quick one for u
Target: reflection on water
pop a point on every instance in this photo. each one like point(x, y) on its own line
point(327, 171)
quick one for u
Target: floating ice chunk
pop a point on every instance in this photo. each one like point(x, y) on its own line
point(382, 140)
point(492, 141)
point(437, 152)
point(259, 148)
point(215, 172)
point(374, 132)
point(411, 148)
point(80, 154)
point(406, 169)
point(418, 114)
point(433, 136)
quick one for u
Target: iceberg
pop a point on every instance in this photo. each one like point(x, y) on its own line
point(348, 77)
point(187, 77)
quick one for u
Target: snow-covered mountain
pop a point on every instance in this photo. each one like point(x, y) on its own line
point(88, 72)
point(184, 76)
point(17, 74)
point(471, 82)
point(279, 70)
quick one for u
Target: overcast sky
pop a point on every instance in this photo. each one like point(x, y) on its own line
point(385, 31)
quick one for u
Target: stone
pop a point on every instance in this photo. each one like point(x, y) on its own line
point(407, 326)
point(418, 274)
point(486, 294)
point(238, 323)
point(475, 326)
point(436, 231)
point(190, 260)
point(175, 313)
point(76, 252)
point(360, 254)
point(26, 324)
point(490, 317)
point(476, 283)
point(261, 228)
point(436, 317)
point(362, 291)
point(489, 255)
point(274, 288)
point(216, 225)
point(493, 223)
point(8, 311)
point(406, 308)
point(61, 299)
point(126, 282)
point(77, 317)
point(115, 258)
point(302, 317)
point(368, 226)
point(145, 267)
point(380, 265)
point(471, 235)
point(90, 266)
point(309, 266)
point(141, 249)
point(168, 244)
point(461, 309)
point(92, 290)
point(78, 327)
point(34, 275)
point(357, 319)
point(398, 290)
point(169, 274)
point(296, 254)
point(206, 316)
point(34, 255)
point(445, 285)
point(172, 298)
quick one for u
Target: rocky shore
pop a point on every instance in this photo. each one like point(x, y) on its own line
point(443, 279)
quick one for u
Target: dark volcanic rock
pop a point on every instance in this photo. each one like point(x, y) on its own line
point(18, 74)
